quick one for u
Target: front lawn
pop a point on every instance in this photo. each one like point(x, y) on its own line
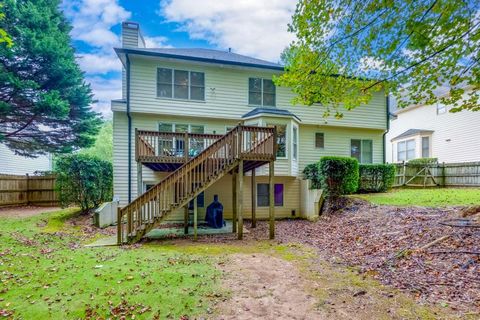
point(46, 272)
point(430, 197)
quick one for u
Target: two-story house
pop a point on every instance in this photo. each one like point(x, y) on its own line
point(177, 102)
point(431, 131)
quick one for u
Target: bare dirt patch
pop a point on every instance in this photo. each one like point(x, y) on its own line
point(265, 287)
point(24, 211)
point(383, 242)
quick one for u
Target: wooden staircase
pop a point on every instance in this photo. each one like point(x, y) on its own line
point(242, 148)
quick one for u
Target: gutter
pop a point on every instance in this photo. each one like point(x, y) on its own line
point(129, 117)
point(388, 128)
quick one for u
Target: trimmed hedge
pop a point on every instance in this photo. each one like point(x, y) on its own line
point(311, 172)
point(376, 177)
point(338, 175)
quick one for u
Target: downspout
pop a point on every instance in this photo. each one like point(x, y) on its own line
point(129, 117)
point(388, 128)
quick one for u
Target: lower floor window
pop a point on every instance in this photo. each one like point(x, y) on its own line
point(362, 150)
point(263, 194)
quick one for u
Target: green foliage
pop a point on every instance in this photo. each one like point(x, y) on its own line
point(83, 180)
point(4, 38)
point(423, 161)
point(376, 177)
point(311, 172)
point(346, 50)
point(43, 95)
point(338, 175)
point(103, 147)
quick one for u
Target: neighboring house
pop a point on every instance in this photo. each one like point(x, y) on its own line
point(10, 163)
point(198, 95)
point(431, 131)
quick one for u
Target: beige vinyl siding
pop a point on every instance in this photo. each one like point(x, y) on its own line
point(130, 38)
point(10, 163)
point(337, 143)
point(456, 137)
point(226, 95)
point(223, 188)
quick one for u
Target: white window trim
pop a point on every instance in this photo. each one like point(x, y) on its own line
point(315, 141)
point(295, 141)
point(429, 146)
point(261, 93)
point(405, 141)
point(189, 99)
point(287, 148)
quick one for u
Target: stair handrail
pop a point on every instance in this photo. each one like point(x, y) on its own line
point(234, 136)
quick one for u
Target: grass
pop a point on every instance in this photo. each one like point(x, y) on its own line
point(431, 197)
point(46, 273)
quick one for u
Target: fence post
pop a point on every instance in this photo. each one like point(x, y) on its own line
point(443, 175)
point(27, 191)
point(404, 178)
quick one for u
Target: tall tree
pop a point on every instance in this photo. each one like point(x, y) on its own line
point(348, 49)
point(103, 147)
point(44, 100)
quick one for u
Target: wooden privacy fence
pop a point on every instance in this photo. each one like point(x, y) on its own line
point(27, 190)
point(464, 174)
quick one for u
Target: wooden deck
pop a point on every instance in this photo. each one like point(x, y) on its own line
point(197, 162)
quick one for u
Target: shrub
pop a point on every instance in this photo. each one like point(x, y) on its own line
point(83, 180)
point(312, 173)
point(376, 177)
point(338, 175)
point(423, 161)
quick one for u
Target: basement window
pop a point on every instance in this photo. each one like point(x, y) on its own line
point(263, 195)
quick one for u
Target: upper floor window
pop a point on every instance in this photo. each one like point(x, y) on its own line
point(362, 150)
point(441, 108)
point(406, 150)
point(261, 92)
point(180, 84)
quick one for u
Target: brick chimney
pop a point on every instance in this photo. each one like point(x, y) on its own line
point(131, 35)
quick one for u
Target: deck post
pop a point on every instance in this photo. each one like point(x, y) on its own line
point(234, 201)
point(254, 200)
point(271, 199)
point(185, 220)
point(195, 218)
point(240, 200)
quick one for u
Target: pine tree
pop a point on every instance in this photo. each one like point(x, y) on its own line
point(44, 100)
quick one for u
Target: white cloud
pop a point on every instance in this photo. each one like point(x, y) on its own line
point(105, 90)
point(98, 63)
point(92, 21)
point(250, 27)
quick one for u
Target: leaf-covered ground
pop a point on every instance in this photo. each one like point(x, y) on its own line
point(430, 197)
point(47, 273)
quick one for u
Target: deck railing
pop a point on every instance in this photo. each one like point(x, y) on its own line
point(182, 185)
point(170, 147)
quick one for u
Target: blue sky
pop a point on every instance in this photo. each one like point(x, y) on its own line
point(252, 27)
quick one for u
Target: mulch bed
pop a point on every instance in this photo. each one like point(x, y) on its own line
point(382, 242)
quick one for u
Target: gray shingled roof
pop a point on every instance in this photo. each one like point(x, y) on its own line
point(412, 132)
point(273, 111)
point(201, 54)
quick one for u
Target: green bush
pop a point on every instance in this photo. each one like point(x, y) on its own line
point(376, 177)
point(338, 175)
point(423, 161)
point(311, 172)
point(83, 180)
